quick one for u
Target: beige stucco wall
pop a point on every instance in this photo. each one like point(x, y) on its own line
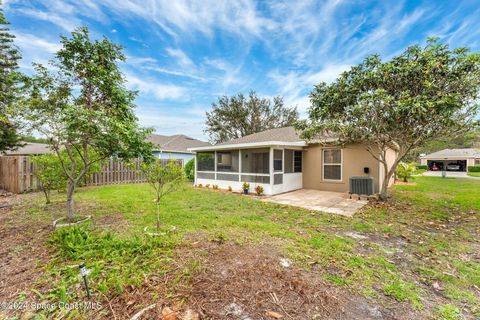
point(355, 158)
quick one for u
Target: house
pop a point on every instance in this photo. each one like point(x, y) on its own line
point(175, 147)
point(30, 149)
point(451, 159)
point(280, 161)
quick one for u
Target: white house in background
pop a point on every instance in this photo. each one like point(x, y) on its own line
point(451, 159)
point(175, 147)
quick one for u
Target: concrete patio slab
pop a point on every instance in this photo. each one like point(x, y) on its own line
point(326, 201)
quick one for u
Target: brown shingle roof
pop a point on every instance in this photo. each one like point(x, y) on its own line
point(31, 148)
point(176, 143)
point(286, 134)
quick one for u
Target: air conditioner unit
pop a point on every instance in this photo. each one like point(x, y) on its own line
point(361, 185)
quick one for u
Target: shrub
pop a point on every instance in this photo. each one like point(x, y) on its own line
point(189, 170)
point(215, 187)
point(406, 170)
point(230, 188)
point(259, 190)
point(207, 185)
point(422, 167)
point(246, 186)
point(200, 185)
point(474, 168)
point(116, 262)
point(164, 179)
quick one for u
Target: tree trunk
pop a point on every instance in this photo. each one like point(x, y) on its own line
point(47, 195)
point(158, 214)
point(386, 180)
point(70, 203)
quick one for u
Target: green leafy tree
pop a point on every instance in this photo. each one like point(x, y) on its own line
point(238, 116)
point(84, 109)
point(164, 179)
point(189, 169)
point(50, 174)
point(423, 94)
point(405, 171)
point(9, 85)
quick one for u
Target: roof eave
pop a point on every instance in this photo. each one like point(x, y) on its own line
point(250, 145)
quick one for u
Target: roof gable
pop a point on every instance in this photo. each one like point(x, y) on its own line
point(176, 143)
point(445, 153)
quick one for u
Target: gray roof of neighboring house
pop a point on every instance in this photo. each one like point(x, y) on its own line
point(30, 148)
point(176, 143)
point(286, 134)
point(455, 153)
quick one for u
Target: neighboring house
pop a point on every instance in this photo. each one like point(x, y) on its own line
point(451, 159)
point(175, 147)
point(30, 148)
point(280, 161)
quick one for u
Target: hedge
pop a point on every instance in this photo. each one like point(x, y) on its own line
point(474, 168)
point(422, 167)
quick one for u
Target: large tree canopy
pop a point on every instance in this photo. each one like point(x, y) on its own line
point(9, 85)
point(238, 116)
point(423, 94)
point(84, 109)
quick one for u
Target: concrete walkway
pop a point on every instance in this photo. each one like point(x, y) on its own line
point(450, 174)
point(326, 201)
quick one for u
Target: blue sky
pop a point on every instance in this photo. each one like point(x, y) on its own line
point(183, 55)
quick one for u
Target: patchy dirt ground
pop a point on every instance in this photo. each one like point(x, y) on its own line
point(22, 251)
point(246, 282)
point(221, 279)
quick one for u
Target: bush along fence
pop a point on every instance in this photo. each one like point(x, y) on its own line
point(17, 173)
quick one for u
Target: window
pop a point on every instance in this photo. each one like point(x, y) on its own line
point(332, 164)
point(297, 161)
point(205, 161)
point(277, 160)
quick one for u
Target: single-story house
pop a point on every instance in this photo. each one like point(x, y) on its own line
point(451, 159)
point(280, 161)
point(30, 149)
point(175, 147)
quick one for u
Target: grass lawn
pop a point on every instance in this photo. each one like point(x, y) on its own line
point(474, 174)
point(421, 251)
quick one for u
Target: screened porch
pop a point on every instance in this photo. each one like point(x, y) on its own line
point(277, 169)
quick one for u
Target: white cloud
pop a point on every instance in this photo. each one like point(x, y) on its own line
point(182, 122)
point(30, 42)
point(295, 86)
point(159, 90)
point(181, 57)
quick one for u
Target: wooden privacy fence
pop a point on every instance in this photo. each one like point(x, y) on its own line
point(17, 173)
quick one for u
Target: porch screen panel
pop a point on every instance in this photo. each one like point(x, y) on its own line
point(227, 177)
point(205, 175)
point(206, 161)
point(288, 161)
point(227, 161)
point(255, 160)
point(256, 179)
point(277, 160)
point(278, 178)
